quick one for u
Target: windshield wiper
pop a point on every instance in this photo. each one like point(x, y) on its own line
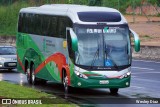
point(95, 56)
point(108, 56)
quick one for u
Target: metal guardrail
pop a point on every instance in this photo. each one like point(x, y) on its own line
point(7, 40)
point(147, 52)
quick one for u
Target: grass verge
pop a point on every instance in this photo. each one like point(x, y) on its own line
point(9, 18)
point(8, 90)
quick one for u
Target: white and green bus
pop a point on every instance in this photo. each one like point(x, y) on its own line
point(78, 46)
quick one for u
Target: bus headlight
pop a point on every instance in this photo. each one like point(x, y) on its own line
point(125, 75)
point(80, 75)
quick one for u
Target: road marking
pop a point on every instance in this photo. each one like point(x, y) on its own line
point(136, 87)
point(147, 73)
point(147, 61)
point(147, 80)
point(143, 68)
point(133, 75)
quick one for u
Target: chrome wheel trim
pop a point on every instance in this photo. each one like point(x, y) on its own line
point(65, 83)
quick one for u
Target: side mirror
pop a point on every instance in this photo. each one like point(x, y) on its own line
point(136, 40)
point(72, 40)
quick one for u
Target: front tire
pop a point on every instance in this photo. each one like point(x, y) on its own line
point(114, 91)
point(65, 83)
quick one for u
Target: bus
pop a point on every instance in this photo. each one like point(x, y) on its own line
point(76, 45)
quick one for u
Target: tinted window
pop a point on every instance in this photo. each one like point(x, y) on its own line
point(20, 23)
point(99, 16)
point(52, 26)
point(45, 25)
point(64, 22)
point(38, 25)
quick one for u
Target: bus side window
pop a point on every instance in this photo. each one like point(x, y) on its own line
point(23, 22)
point(20, 22)
point(61, 26)
point(31, 23)
point(38, 24)
point(44, 25)
point(64, 22)
point(52, 26)
point(27, 23)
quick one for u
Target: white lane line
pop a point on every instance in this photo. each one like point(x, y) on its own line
point(147, 73)
point(143, 68)
point(136, 87)
point(146, 80)
point(147, 61)
point(133, 75)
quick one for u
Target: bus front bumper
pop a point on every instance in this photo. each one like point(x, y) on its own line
point(100, 83)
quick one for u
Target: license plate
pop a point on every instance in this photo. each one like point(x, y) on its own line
point(103, 82)
point(11, 64)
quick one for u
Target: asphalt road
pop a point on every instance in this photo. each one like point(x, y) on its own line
point(145, 83)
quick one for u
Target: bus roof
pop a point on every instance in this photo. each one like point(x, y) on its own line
point(71, 11)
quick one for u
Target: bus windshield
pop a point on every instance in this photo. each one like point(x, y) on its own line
point(103, 46)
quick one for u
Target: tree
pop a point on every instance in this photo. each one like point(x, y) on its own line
point(95, 2)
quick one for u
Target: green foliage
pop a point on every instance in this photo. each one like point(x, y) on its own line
point(154, 2)
point(9, 17)
point(95, 2)
point(81, 2)
point(9, 9)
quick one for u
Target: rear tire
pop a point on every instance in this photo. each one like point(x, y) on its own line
point(28, 74)
point(114, 91)
point(33, 76)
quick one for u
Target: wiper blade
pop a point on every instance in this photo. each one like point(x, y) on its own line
point(95, 56)
point(115, 65)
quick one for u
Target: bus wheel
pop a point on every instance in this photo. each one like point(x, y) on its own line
point(65, 83)
point(114, 91)
point(33, 77)
point(28, 73)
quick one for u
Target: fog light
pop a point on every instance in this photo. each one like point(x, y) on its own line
point(127, 83)
point(0, 65)
point(79, 83)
